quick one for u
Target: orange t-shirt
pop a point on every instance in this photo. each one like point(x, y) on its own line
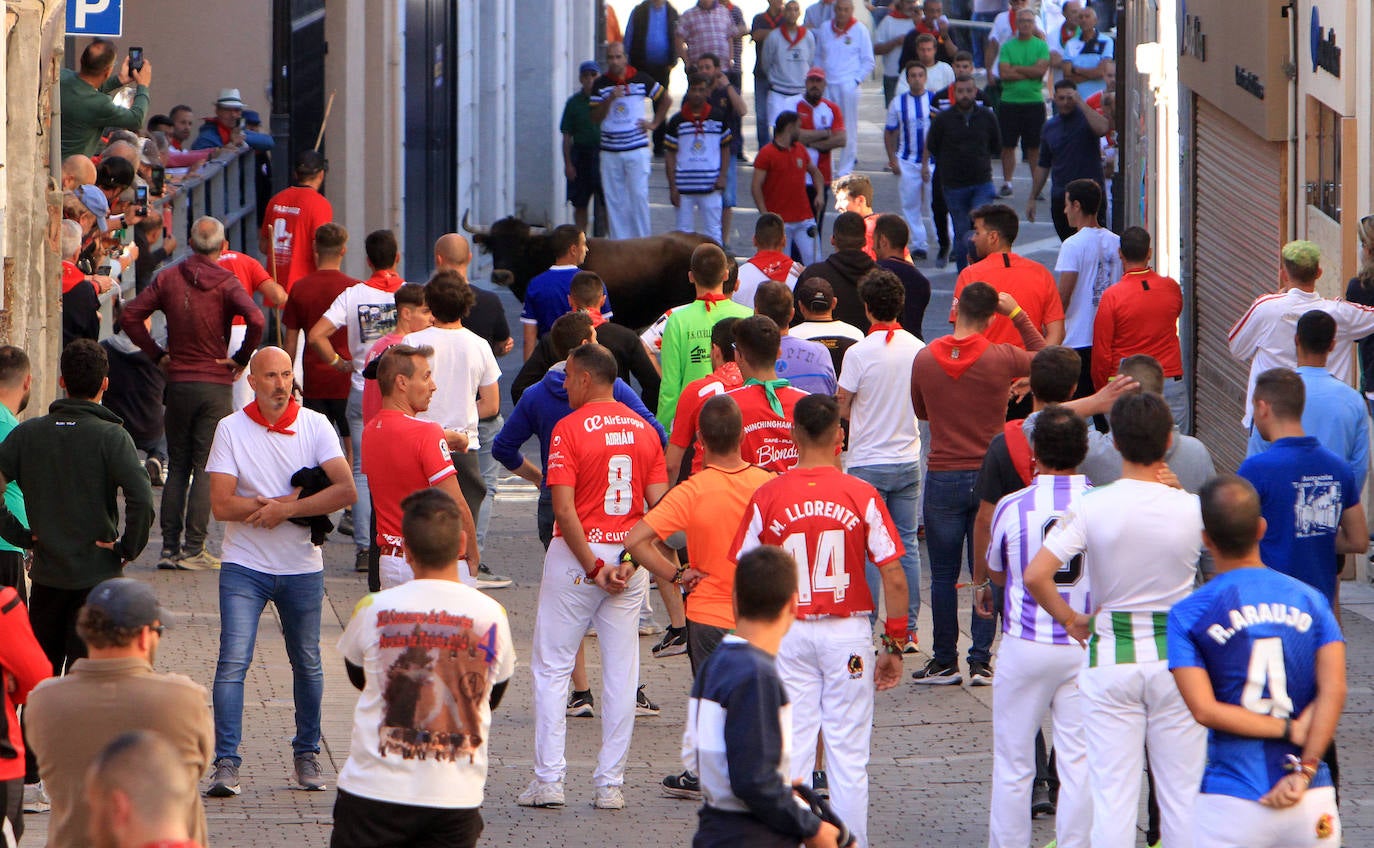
point(1028, 281)
point(711, 532)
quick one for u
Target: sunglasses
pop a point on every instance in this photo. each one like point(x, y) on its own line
point(157, 628)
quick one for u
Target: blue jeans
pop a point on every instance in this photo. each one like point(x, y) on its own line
point(727, 197)
point(961, 201)
point(243, 594)
point(491, 470)
point(951, 506)
point(761, 127)
point(900, 486)
point(362, 508)
point(980, 36)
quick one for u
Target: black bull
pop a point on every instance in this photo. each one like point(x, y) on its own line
point(644, 277)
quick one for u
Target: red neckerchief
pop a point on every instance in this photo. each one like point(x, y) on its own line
point(71, 276)
point(774, 265)
point(698, 119)
point(773, 23)
point(847, 27)
point(387, 281)
point(288, 417)
point(1019, 449)
point(958, 355)
point(624, 79)
point(597, 317)
point(729, 375)
point(792, 42)
point(712, 298)
point(898, 15)
point(1066, 34)
point(879, 326)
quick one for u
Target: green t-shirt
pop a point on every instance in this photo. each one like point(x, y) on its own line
point(686, 351)
point(1023, 53)
point(14, 499)
point(577, 122)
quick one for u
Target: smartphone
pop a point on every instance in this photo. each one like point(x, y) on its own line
point(157, 183)
point(141, 199)
point(135, 58)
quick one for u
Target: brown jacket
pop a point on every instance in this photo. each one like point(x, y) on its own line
point(70, 719)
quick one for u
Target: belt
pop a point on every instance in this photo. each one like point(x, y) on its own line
point(1173, 379)
point(392, 551)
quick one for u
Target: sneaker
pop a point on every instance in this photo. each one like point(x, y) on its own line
point(345, 525)
point(360, 561)
point(202, 561)
point(935, 673)
point(541, 794)
point(979, 674)
point(942, 258)
point(920, 255)
point(609, 798)
point(224, 780)
point(36, 798)
point(580, 705)
point(643, 706)
point(1005, 190)
point(674, 642)
point(820, 783)
point(154, 469)
point(486, 580)
point(308, 773)
point(647, 627)
point(685, 785)
point(909, 646)
point(168, 560)
point(1041, 805)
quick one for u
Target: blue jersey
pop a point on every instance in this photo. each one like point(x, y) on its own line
point(1256, 633)
point(546, 299)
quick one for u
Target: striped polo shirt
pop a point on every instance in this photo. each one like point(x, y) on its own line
point(699, 145)
point(620, 128)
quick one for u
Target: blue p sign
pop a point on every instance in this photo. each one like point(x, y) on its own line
point(95, 17)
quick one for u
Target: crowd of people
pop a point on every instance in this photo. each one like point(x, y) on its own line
point(767, 459)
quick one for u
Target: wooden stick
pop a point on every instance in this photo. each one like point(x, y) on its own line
point(328, 105)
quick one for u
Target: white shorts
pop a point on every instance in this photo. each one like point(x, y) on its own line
point(394, 571)
point(1222, 821)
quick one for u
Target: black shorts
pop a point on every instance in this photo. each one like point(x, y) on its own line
point(363, 822)
point(1021, 122)
point(587, 161)
point(335, 409)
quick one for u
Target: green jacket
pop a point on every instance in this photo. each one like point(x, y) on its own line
point(686, 351)
point(87, 111)
point(71, 464)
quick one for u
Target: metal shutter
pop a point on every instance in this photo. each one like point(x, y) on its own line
point(1239, 202)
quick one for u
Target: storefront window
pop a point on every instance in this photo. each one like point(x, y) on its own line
point(1324, 155)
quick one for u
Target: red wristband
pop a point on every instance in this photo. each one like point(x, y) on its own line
point(596, 569)
point(895, 627)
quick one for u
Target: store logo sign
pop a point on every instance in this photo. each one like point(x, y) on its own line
point(1325, 52)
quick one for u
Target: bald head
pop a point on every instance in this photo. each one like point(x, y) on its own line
point(452, 253)
point(124, 150)
point(77, 171)
point(268, 358)
point(138, 787)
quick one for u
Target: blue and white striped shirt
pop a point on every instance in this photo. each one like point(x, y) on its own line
point(909, 115)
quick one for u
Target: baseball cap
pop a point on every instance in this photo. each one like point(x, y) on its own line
point(816, 293)
point(95, 202)
point(816, 73)
point(229, 99)
point(127, 603)
point(588, 67)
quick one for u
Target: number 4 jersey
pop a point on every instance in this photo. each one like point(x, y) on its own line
point(829, 523)
point(1256, 633)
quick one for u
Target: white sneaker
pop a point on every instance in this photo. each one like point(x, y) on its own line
point(543, 794)
point(609, 798)
point(36, 798)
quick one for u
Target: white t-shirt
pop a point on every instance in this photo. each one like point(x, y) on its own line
point(369, 314)
point(431, 650)
point(1095, 253)
point(462, 363)
point(263, 463)
point(939, 76)
point(819, 329)
point(750, 278)
point(889, 28)
point(882, 426)
point(1003, 30)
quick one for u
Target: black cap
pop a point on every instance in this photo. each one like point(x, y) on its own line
point(311, 162)
point(127, 603)
point(816, 293)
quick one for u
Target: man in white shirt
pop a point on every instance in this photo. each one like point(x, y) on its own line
point(884, 443)
point(887, 42)
point(769, 263)
point(418, 776)
point(1264, 334)
point(1089, 261)
point(465, 372)
point(904, 134)
point(846, 54)
point(269, 556)
point(789, 52)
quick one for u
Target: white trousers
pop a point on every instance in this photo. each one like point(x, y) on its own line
point(1126, 708)
point(914, 191)
point(799, 234)
point(779, 103)
point(827, 666)
point(394, 571)
point(568, 605)
point(625, 183)
point(709, 205)
point(1226, 822)
point(847, 95)
point(1031, 678)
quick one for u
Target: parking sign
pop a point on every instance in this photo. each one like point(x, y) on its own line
point(95, 17)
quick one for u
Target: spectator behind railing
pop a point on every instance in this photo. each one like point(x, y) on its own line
point(87, 105)
point(77, 171)
point(226, 128)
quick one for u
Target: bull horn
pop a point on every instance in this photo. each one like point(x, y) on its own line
point(479, 231)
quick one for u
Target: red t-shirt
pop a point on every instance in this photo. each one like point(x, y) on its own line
point(249, 271)
point(830, 523)
point(313, 295)
point(1138, 314)
point(291, 220)
point(401, 455)
point(784, 183)
point(825, 115)
point(1028, 281)
point(608, 455)
point(693, 398)
point(767, 440)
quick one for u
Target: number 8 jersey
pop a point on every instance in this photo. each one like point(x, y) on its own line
point(829, 523)
point(608, 455)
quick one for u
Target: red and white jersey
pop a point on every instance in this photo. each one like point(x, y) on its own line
point(608, 455)
point(767, 440)
point(825, 115)
point(830, 523)
point(401, 455)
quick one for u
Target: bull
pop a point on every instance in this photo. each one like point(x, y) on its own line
point(644, 276)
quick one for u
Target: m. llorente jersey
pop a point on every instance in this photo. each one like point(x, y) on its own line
point(827, 521)
point(1019, 526)
point(620, 128)
point(699, 143)
point(1256, 633)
